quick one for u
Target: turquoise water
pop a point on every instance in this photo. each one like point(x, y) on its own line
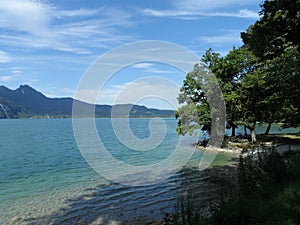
point(44, 179)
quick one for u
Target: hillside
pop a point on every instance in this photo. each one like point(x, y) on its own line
point(27, 102)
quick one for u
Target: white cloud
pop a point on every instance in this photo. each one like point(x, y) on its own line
point(41, 43)
point(168, 13)
point(209, 5)
point(219, 40)
point(142, 65)
point(78, 12)
point(183, 14)
point(16, 71)
point(25, 15)
point(193, 9)
point(245, 13)
point(10, 74)
point(33, 24)
point(92, 33)
point(149, 68)
point(8, 78)
point(5, 58)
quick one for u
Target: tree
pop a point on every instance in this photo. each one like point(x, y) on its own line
point(195, 114)
point(274, 39)
point(203, 107)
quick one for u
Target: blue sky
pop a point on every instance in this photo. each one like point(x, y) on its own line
point(49, 44)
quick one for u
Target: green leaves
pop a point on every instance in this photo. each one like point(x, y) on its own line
point(278, 28)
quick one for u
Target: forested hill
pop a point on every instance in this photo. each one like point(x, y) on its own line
point(27, 102)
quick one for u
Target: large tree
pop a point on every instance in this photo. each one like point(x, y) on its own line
point(274, 39)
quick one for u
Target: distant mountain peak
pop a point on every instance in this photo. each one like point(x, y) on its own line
point(25, 86)
point(26, 89)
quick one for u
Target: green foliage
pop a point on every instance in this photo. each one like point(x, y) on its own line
point(278, 28)
point(202, 101)
point(189, 120)
point(281, 75)
point(274, 39)
point(231, 71)
point(252, 95)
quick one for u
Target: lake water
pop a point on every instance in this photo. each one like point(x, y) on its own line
point(44, 178)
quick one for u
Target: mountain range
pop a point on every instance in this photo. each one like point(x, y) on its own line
point(26, 102)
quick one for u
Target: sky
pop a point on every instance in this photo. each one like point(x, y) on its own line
point(50, 44)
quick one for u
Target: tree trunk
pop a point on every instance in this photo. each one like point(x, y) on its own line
point(233, 131)
point(245, 130)
point(253, 135)
point(252, 131)
point(268, 128)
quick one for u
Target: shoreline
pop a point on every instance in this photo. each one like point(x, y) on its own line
point(223, 150)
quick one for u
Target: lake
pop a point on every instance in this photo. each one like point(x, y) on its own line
point(44, 178)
